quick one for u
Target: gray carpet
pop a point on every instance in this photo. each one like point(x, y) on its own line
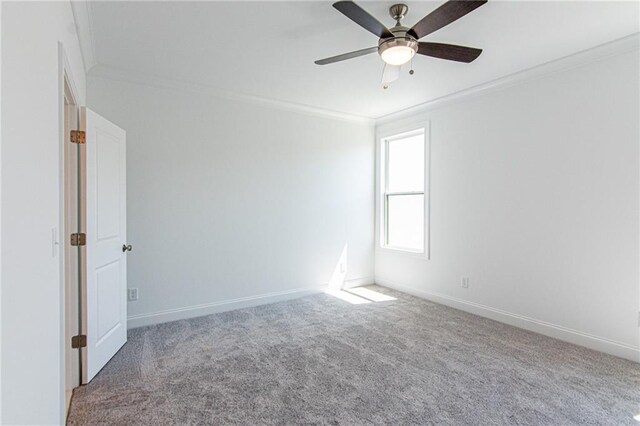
point(321, 360)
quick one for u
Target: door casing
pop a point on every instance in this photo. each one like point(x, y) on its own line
point(68, 255)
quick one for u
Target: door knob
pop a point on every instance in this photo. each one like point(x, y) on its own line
point(127, 247)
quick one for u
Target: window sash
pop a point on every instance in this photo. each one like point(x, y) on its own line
point(388, 194)
point(386, 220)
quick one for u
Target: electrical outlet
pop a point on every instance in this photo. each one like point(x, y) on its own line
point(465, 282)
point(132, 294)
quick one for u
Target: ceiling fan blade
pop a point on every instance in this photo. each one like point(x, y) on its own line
point(346, 56)
point(450, 52)
point(362, 18)
point(444, 15)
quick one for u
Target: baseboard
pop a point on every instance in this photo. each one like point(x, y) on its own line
point(168, 315)
point(358, 282)
point(576, 337)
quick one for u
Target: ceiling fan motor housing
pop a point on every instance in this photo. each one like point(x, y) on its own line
point(402, 40)
point(398, 41)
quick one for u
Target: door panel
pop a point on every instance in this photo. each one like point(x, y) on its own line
point(108, 303)
point(108, 189)
point(106, 229)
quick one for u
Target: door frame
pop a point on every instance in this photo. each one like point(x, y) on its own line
point(69, 101)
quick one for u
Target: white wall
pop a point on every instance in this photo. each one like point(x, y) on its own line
point(534, 196)
point(32, 379)
point(233, 199)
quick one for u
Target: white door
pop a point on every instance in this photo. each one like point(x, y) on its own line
point(106, 236)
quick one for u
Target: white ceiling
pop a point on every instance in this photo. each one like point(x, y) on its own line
point(267, 49)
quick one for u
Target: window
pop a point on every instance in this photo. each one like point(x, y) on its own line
point(403, 187)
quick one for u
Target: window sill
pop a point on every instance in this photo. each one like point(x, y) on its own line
point(404, 252)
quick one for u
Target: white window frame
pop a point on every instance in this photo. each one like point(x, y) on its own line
point(383, 194)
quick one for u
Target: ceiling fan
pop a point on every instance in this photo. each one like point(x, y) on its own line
point(398, 45)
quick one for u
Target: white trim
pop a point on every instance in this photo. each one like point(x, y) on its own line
point(358, 282)
point(193, 311)
point(607, 50)
point(548, 329)
point(69, 76)
point(64, 73)
point(81, 10)
point(113, 73)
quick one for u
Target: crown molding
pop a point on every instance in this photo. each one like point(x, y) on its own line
point(614, 48)
point(119, 74)
point(81, 10)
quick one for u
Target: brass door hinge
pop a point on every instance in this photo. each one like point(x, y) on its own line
point(78, 136)
point(79, 341)
point(79, 239)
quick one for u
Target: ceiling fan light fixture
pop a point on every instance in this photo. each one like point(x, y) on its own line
point(398, 51)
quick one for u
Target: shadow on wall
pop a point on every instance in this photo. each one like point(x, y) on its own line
point(340, 271)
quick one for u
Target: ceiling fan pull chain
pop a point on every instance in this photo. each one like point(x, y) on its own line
point(385, 85)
